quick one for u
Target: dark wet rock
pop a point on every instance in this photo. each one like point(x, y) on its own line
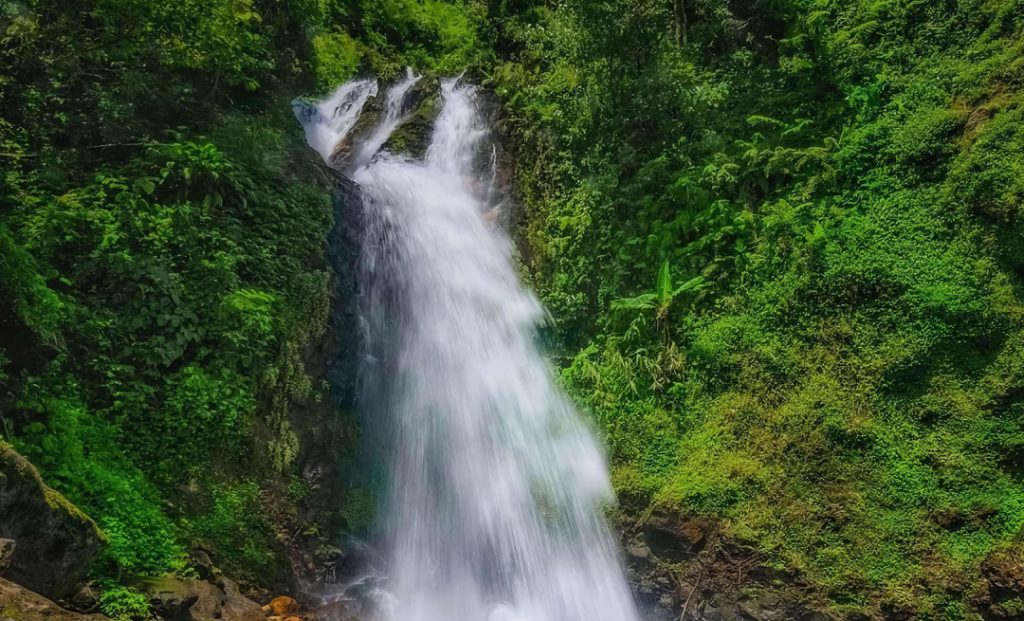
point(340, 610)
point(684, 568)
point(1002, 596)
point(20, 604)
point(55, 543)
point(767, 606)
point(203, 565)
point(85, 600)
point(7, 547)
point(725, 613)
point(673, 537)
point(237, 607)
point(638, 555)
point(422, 106)
point(182, 600)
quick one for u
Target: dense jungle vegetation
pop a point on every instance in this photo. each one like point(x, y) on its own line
point(782, 242)
point(163, 231)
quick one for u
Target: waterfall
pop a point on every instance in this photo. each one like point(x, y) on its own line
point(497, 485)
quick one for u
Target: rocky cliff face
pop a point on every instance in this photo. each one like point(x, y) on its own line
point(687, 568)
point(51, 544)
point(683, 568)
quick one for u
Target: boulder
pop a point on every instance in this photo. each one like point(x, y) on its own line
point(85, 600)
point(237, 607)
point(174, 599)
point(54, 542)
point(281, 606)
point(17, 602)
point(203, 565)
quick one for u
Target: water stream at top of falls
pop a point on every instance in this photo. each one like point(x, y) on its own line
point(497, 486)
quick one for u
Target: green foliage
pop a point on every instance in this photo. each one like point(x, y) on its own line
point(21, 282)
point(663, 295)
point(123, 604)
point(80, 455)
point(359, 510)
point(238, 530)
point(337, 58)
point(381, 37)
point(837, 378)
point(162, 243)
point(843, 182)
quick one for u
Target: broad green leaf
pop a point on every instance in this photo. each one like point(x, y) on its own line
point(664, 289)
point(694, 284)
point(640, 302)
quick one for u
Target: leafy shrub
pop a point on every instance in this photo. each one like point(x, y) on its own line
point(337, 58)
point(238, 526)
point(123, 603)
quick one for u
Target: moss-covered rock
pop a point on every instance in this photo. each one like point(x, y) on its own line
point(175, 599)
point(422, 105)
point(55, 543)
point(21, 604)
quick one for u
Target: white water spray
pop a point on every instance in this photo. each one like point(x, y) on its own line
point(495, 507)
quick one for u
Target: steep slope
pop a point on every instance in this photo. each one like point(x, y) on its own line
point(164, 357)
point(781, 242)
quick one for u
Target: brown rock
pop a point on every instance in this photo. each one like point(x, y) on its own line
point(1004, 571)
point(638, 554)
point(182, 600)
point(85, 600)
point(195, 600)
point(675, 537)
point(1004, 583)
point(281, 606)
point(19, 603)
point(204, 566)
point(237, 607)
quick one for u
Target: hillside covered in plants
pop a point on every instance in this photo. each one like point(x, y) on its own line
point(781, 243)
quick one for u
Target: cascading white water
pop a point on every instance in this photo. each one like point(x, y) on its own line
point(495, 509)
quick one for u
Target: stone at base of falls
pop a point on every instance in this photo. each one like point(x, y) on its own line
point(281, 606)
point(21, 604)
point(174, 599)
point(54, 542)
